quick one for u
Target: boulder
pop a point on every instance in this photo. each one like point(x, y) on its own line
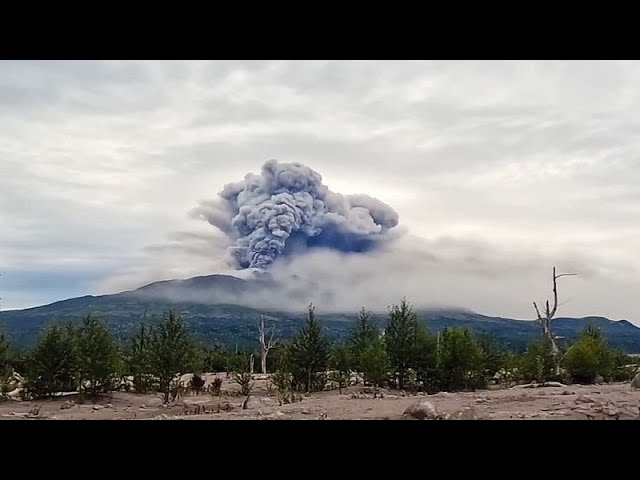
point(422, 410)
point(635, 383)
point(599, 380)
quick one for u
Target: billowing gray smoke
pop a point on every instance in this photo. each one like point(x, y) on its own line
point(286, 209)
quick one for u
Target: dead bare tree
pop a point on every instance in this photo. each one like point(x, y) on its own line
point(545, 320)
point(266, 344)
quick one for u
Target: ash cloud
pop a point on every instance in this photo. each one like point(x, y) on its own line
point(286, 210)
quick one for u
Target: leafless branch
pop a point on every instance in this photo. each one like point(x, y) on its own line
point(537, 311)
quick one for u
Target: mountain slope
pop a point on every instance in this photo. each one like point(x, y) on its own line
point(212, 307)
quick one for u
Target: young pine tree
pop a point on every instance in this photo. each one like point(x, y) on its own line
point(589, 356)
point(363, 334)
point(240, 368)
point(52, 366)
point(424, 359)
point(538, 363)
point(309, 355)
point(374, 363)
point(459, 360)
point(5, 369)
point(400, 338)
point(4, 356)
point(138, 361)
point(340, 363)
point(99, 359)
point(170, 353)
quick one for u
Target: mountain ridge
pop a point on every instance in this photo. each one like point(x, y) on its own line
point(212, 307)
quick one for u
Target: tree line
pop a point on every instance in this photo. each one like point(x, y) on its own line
point(403, 355)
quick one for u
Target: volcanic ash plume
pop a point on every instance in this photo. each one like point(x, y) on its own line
point(286, 210)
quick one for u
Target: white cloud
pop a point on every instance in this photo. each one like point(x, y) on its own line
point(532, 163)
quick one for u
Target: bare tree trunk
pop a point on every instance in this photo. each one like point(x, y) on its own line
point(251, 362)
point(545, 320)
point(266, 344)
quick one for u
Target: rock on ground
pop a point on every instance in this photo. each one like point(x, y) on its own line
point(422, 410)
point(635, 383)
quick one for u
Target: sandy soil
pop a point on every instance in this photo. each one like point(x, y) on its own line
point(611, 401)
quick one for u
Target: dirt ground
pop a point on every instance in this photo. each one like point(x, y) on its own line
point(611, 401)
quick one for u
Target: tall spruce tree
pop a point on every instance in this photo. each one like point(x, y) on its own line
point(309, 355)
point(52, 366)
point(459, 360)
point(363, 334)
point(400, 339)
point(138, 360)
point(373, 360)
point(170, 353)
point(99, 358)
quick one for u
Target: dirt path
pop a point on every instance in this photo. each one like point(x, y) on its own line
point(612, 401)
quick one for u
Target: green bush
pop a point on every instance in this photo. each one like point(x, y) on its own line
point(537, 363)
point(588, 357)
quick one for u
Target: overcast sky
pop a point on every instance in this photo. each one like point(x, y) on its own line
point(498, 170)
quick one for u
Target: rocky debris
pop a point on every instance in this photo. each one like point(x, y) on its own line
point(373, 391)
point(584, 399)
point(442, 394)
point(98, 407)
point(583, 409)
point(274, 416)
point(554, 384)
point(305, 410)
point(467, 413)
point(255, 402)
point(358, 396)
point(33, 413)
point(196, 409)
point(618, 411)
point(559, 413)
point(68, 404)
point(108, 405)
point(422, 410)
point(539, 385)
point(568, 392)
point(635, 383)
point(164, 416)
point(599, 380)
